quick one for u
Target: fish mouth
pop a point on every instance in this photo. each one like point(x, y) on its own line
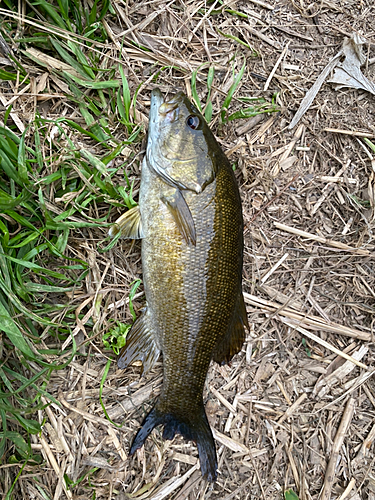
point(154, 117)
point(152, 149)
point(161, 110)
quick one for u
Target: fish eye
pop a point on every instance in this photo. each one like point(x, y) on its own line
point(193, 122)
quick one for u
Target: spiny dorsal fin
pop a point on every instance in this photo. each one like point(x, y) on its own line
point(181, 214)
point(140, 345)
point(232, 342)
point(129, 225)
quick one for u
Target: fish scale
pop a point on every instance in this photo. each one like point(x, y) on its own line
point(190, 222)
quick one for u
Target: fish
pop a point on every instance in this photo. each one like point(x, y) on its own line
point(189, 219)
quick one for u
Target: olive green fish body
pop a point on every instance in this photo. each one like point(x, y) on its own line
point(191, 290)
point(192, 249)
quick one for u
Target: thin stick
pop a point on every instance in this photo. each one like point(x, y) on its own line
point(348, 489)
point(339, 439)
point(366, 445)
point(53, 462)
point(357, 383)
point(292, 408)
point(266, 85)
point(349, 132)
point(321, 239)
point(305, 319)
point(240, 488)
point(273, 268)
point(325, 344)
point(263, 4)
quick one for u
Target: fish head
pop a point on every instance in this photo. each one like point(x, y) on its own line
point(181, 148)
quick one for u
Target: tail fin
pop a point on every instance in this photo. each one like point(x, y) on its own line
point(193, 427)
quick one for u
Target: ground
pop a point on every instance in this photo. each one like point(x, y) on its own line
point(291, 411)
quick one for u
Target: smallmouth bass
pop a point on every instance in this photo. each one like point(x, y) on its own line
point(190, 220)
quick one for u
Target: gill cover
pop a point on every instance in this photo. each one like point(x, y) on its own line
point(178, 146)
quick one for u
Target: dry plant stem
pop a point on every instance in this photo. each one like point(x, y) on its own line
point(292, 408)
point(366, 445)
point(305, 319)
point(273, 268)
point(262, 130)
point(266, 85)
point(192, 483)
point(321, 239)
point(230, 443)
point(296, 137)
point(354, 133)
point(325, 344)
point(85, 414)
point(324, 385)
point(61, 436)
point(265, 5)
point(14, 116)
point(339, 439)
point(60, 482)
point(263, 37)
point(293, 466)
point(80, 323)
point(347, 490)
point(173, 484)
point(240, 488)
point(355, 384)
point(53, 462)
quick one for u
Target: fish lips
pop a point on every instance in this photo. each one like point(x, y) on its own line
point(161, 111)
point(154, 118)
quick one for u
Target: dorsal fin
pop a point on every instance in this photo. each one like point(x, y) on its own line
point(231, 343)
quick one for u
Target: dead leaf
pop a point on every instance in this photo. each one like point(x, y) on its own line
point(348, 72)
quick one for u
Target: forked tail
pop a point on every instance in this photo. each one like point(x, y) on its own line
point(193, 427)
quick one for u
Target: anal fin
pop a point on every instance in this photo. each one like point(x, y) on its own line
point(129, 225)
point(231, 343)
point(140, 345)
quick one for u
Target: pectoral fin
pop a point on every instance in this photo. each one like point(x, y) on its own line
point(129, 225)
point(232, 342)
point(181, 214)
point(140, 345)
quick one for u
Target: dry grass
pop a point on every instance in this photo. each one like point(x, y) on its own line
point(296, 408)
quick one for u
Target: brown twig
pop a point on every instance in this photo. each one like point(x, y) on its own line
point(339, 439)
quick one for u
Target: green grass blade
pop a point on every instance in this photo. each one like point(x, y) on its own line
point(290, 495)
point(66, 57)
point(108, 84)
point(8, 326)
point(194, 91)
point(238, 40)
point(106, 370)
point(134, 288)
point(233, 88)
point(51, 12)
point(208, 109)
